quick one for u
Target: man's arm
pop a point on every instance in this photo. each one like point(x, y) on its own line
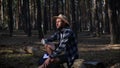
point(52, 38)
point(62, 45)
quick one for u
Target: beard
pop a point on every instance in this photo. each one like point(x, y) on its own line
point(59, 28)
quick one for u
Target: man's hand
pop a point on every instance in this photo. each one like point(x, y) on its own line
point(43, 41)
point(47, 62)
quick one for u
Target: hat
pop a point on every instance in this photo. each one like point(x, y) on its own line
point(62, 17)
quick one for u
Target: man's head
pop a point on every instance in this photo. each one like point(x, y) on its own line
point(61, 21)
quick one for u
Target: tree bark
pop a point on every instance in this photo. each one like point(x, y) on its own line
point(73, 11)
point(55, 11)
point(10, 16)
point(106, 18)
point(40, 33)
point(28, 19)
point(1, 9)
point(45, 23)
point(114, 24)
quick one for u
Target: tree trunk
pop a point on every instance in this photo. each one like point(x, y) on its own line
point(67, 9)
point(35, 14)
point(73, 11)
point(10, 16)
point(106, 18)
point(49, 14)
point(55, 12)
point(97, 20)
point(45, 23)
point(114, 24)
point(20, 15)
point(93, 15)
point(1, 9)
point(40, 33)
point(16, 16)
point(80, 17)
point(28, 19)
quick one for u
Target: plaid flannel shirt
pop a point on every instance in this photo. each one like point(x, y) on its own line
point(67, 43)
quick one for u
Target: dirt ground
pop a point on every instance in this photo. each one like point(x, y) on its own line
point(21, 51)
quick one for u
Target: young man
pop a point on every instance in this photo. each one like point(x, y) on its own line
point(67, 48)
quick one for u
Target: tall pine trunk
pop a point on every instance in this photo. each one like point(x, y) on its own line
point(1, 10)
point(114, 24)
point(40, 33)
point(45, 23)
point(73, 11)
point(28, 19)
point(10, 16)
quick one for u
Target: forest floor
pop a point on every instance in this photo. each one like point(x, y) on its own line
point(21, 51)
